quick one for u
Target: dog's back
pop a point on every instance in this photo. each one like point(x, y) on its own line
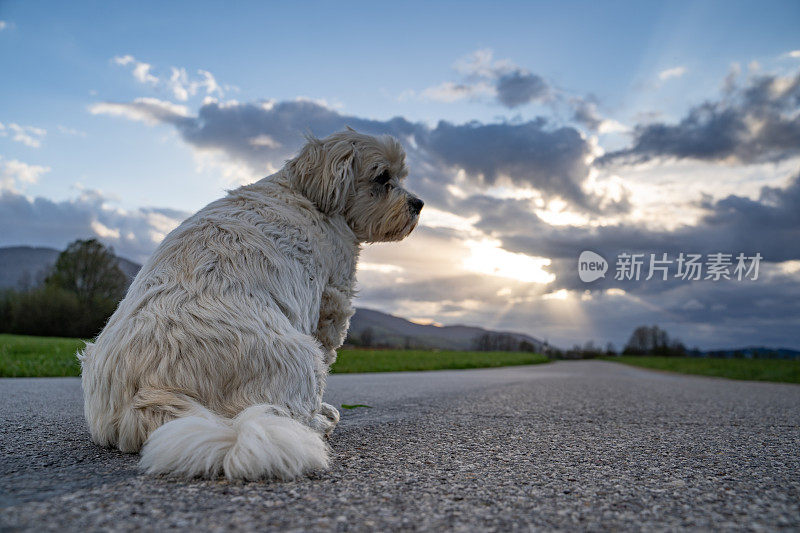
point(216, 359)
point(208, 318)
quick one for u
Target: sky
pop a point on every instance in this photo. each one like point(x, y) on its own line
point(534, 131)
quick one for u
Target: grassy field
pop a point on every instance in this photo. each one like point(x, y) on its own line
point(404, 360)
point(752, 369)
point(22, 356)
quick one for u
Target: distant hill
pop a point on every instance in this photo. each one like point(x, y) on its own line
point(22, 266)
point(392, 331)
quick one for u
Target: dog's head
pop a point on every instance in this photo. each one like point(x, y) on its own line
point(360, 177)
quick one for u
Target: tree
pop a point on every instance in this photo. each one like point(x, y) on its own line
point(91, 271)
point(652, 340)
point(647, 340)
point(495, 342)
point(47, 311)
point(526, 346)
point(367, 337)
point(76, 298)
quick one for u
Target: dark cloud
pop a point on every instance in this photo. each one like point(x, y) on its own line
point(725, 314)
point(554, 161)
point(771, 223)
point(501, 216)
point(757, 122)
point(519, 87)
point(42, 222)
point(550, 159)
point(585, 112)
point(259, 132)
point(530, 154)
point(769, 226)
point(705, 314)
point(513, 86)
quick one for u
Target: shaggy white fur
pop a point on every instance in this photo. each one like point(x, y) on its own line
point(216, 359)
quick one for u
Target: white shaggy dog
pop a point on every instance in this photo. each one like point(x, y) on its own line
point(215, 361)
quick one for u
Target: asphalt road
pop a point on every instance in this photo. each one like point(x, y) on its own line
point(571, 445)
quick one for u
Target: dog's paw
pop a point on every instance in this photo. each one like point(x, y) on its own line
point(325, 419)
point(330, 412)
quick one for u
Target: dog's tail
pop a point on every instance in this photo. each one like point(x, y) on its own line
point(260, 442)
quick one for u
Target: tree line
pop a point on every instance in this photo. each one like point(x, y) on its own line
point(501, 342)
point(75, 297)
point(645, 340)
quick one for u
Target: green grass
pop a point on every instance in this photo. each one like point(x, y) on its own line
point(405, 360)
point(752, 369)
point(24, 356)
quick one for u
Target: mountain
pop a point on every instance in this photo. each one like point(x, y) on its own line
point(22, 266)
point(392, 331)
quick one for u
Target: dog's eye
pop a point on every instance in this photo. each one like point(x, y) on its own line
point(383, 178)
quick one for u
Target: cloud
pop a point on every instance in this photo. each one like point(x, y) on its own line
point(449, 92)
point(722, 313)
point(3, 25)
point(794, 54)
point(520, 87)
point(584, 112)
point(124, 60)
point(14, 173)
point(483, 76)
point(265, 140)
point(512, 87)
point(27, 135)
point(179, 83)
point(757, 122)
point(43, 222)
point(733, 224)
point(766, 224)
point(675, 72)
point(432, 281)
point(148, 110)
point(481, 64)
point(72, 132)
point(140, 69)
point(553, 160)
point(183, 87)
point(492, 183)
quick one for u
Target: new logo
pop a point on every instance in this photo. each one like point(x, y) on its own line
point(591, 266)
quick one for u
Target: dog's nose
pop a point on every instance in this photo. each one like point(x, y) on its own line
point(416, 205)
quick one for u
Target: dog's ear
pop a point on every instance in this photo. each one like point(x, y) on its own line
point(324, 171)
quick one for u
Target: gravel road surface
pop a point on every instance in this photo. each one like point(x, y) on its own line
point(584, 445)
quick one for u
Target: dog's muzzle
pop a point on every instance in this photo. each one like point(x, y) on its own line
point(415, 205)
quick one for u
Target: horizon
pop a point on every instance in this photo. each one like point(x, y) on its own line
point(532, 335)
point(534, 133)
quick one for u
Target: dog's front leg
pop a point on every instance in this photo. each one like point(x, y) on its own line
point(334, 319)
